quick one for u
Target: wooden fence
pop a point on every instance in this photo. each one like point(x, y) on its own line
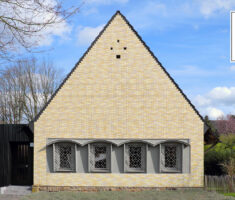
point(220, 183)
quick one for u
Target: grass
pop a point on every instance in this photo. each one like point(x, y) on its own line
point(124, 195)
point(230, 194)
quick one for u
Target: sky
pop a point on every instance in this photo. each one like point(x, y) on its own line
point(191, 38)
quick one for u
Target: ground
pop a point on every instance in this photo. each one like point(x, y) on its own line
point(9, 197)
point(146, 195)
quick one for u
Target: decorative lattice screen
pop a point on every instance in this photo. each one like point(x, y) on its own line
point(64, 157)
point(135, 157)
point(170, 156)
point(99, 159)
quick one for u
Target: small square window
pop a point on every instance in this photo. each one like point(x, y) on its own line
point(64, 157)
point(135, 157)
point(99, 159)
point(118, 56)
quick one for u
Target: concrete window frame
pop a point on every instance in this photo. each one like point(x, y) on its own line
point(177, 153)
point(92, 159)
point(127, 157)
point(64, 157)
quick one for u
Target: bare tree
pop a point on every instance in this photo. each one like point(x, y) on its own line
point(23, 22)
point(226, 125)
point(10, 96)
point(25, 88)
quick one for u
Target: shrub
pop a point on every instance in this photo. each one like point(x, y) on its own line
point(222, 153)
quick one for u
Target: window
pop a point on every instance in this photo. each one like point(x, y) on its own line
point(171, 157)
point(99, 160)
point(135, 157)
point(64, 157)
point(118, 156)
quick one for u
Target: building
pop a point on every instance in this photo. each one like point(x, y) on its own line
point(16, 155)
point(117, 121)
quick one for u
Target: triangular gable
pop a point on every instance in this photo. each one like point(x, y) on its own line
point(93, 43)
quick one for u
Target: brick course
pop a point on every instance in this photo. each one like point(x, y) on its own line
point(98, 189)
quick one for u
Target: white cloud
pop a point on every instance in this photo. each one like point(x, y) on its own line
point(220, 96)
point(149, 15)
point(216, 102)
point(209, 7)
point(202, 101)
point(62, 30)
point(31, 13)
point(87, 34)
point(214, 113)
point(223, 95)
point(232, 68)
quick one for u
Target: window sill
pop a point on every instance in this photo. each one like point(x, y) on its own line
point(100, 171)
point(135, 171)
point(169, 171)
point(65, 171)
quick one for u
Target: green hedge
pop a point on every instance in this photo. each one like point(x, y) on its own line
point(221, 153)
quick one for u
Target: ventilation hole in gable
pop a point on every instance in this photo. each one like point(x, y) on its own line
point(118, 40)
point(111, 48)
point(118, 56)
point(124, 48)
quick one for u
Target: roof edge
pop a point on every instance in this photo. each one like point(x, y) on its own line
point(156, 59)
point(89, 48)
point(76, 65)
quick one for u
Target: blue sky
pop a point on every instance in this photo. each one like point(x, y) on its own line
point(190, 38)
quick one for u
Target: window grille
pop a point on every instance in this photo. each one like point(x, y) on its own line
point(64, 157)
point(135, 157)
point(171, 157)
point(100, 157)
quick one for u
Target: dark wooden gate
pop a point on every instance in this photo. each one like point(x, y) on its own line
point(22, 169)
point(10, 136)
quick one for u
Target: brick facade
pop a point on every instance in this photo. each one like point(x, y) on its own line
point(130, 97)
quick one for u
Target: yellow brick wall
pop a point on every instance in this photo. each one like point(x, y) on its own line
point(131, 97)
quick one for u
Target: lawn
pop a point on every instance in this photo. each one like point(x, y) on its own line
point(230, 194)
point(124, 195)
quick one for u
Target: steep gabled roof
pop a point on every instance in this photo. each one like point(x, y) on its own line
point(93, 43)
